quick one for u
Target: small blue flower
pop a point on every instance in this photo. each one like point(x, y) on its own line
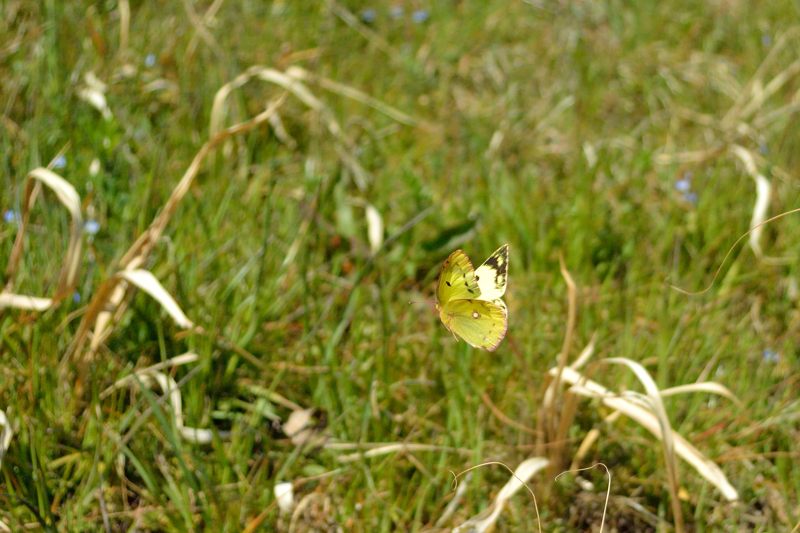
point(150, 60)
point(369, 15)
point(771, 356)
point(396, 12)
point(76, 297)
point(91, 227)
point(683, 185)
point(691, 197)
point(766, 39)
point(763, 148)
point(420, 15)
point(10, 216)
point(60, 161)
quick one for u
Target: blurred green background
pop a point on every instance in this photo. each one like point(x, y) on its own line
point(602, 132)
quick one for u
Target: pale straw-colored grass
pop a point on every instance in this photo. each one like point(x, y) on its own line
point(69, 198)
point(652, 399)
point(147, 282)
point(93, 93)
point(558, 411)
point(201, 25)
point(22, 301)
point(107, 304)
point(124, 7)
point(558, 406)
point(642, 413)
point(169, 387)
point(743, 122)
point(763, 193)
point(341, 89)
point(6, 434)
point(342, 144)
point(730, 251)
point(485, 520)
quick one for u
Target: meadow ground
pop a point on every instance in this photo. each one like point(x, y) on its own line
point(332, 155)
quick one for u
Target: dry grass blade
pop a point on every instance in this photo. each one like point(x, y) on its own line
point(585, 354)
point(70, 199)
point(551, 391)
point(170, 388)
point(373, 37)
point(284, 495)
point(657, 406)
point(109, 298)
point(6, 434)
point(572, 295)
point(146, 281)
point(178, 360)
point(558, 410)
point(694, 157)
point(281, 133)
point(763, 191)
point(115, 289)
point(93, 93)
point(589, 440)
point(300, 73)
point(124, 24)
point(461, 490)
point(142, 247)
point(485, 521)
point(208, 18)
point(200, 25)
point(749, 93)
point(774, 85)
point(22, 301)
point(730, 251)
point(783, 112)
point(608, 488)
point(706, 386)
point(374, 228)
point(500, 415)
point(401, 447)
point(706, 468)
point(344, 147)
point(304, 428)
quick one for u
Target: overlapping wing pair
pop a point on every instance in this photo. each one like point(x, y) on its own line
point(469, 300)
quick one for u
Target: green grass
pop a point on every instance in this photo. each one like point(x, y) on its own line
point(541, 124)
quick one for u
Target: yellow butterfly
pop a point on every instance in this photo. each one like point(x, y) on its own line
point(468, 300)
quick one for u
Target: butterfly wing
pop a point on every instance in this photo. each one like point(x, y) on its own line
point(457, 279)
point(480, 323)
point(492, 275)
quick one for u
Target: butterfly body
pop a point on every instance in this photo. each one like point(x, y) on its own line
point(469, 300)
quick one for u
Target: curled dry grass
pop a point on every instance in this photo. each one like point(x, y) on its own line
point(741, 125)
point(68, 277)
point(107, 306)
point(648, 410)
point(485, 521)
point(169, 387)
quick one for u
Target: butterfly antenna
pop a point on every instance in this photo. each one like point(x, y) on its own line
point(430, 303)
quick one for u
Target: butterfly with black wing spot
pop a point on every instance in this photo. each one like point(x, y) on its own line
point(469, 300)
